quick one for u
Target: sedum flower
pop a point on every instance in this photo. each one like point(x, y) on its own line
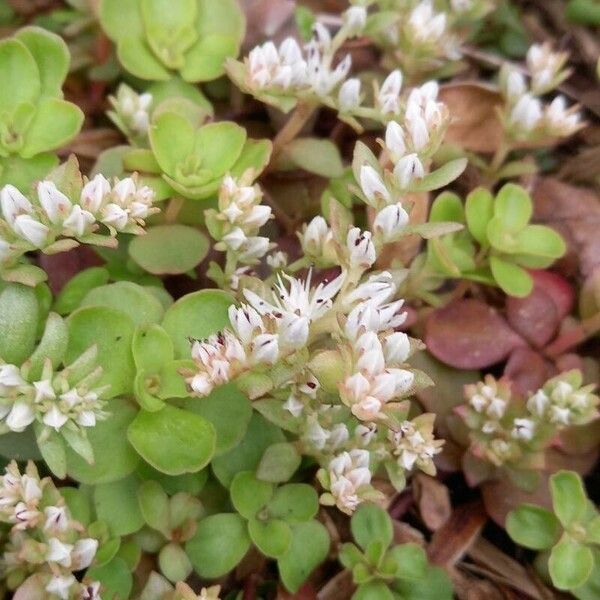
point(349, 95)
point(349, 477)
point(355, 19)
point(361, 251)
point(545, 67)
point(527, 113)
point(390, 222)
point(388, 96)
point(131, 111)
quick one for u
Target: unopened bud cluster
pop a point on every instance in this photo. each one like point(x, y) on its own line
point(44, 541)
point(505, 429)
point(526, 117)
point(37, 224)
point(131, 112)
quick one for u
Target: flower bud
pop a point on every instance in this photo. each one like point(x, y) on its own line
point(349, 95)
point(407, 169)
point(390, 222)
point(372, 186)
point(355, 19)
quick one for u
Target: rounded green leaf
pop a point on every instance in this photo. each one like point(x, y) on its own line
point(249, 495)
point(111, 331)
point(197, 316)
point(590, 590)
point(570, 564)
point(154, 504)
point(75, 290)
point(205, 60)
point(55, 123)
point(410, 559)
point(219, 544)
point(142, 307)
point(309, 548)
point(20, 446)
point(121, 18)
point(255, 155)
point(533, 527)
point(373, 590)
point(511, 278)
point(174, 563)
point(278, 463)
point(513, 207)
point(52, 346)
point(168, 15)
point(169, 249)
point(18, 322)
point(224, 17)
point(447, 207)
point(479, 210)
point(151, 347)
point(19, 74)
point(172, 440)
point(371, 523)
point(51, 54)
point(219, 145)
point(294, 502)
point(114, 460)
point(569, 499)
point(436, 585)
point(247, 454)
point(115, 577)
point(172, 139)
point(315, 155)
point(116, 504)
point(138, 59)
point(272, 537)
point(540, 240)
point(229, 411)
point(441, 177)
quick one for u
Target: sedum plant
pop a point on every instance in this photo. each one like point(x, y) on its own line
point(34, 117)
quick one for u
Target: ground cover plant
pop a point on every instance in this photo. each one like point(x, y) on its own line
point(299, 300)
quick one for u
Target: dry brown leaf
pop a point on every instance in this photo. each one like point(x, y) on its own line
point(475, 125)
point(433, 499)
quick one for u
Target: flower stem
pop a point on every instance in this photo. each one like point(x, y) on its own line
point(302, 113)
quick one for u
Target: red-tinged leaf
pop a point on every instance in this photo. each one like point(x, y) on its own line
point(433, 499)
point(558, 289)
point(527, 371)
point(62, 267)
point(535, 317)
point(469, 334)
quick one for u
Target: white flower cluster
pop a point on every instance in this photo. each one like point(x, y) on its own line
point(264, 330)
point(527, 114)
point(240, 215)
point(44, 539)
point(131, 111)
point(27, 225)
point(52, 400)
point(429, 32)
point(288, 70)
point(414, 444)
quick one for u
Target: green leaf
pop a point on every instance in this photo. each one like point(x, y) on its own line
point(309, 548)
point(410, 560)
point(20, 446)
point(272, 537)
point(196, 316)
point(228, 410)
point(18, 322)
point(513, 207)
point(165, 15)
point(172, 440)
point(205, 60)
point(112, 461)
point(278, 463)
point(513, 280)
point(55, 123)
point(255, 155)
point(174, 563)
point(350, 556)
point(175, 88)
point(247, 454)
point(533, 527)
point(116, 504)
point(294, 502)
point(219, 544)
point(131, 299)
point(569, 499)
point(479, 210)
point(53, 451)
point(447, 207)
point(169, 249)
point(373, 590)
point(371, 523)
point(151, 348)
point(315, 155)
point(540, 240)
point(19, 74)
point(114, 577)
point(78, 503)
point(570, 564)
point(154, 506)
point(75, 290)
point(436, 585)
point(121, 18)
point(225, 18)
point(111, 331)
point(440, 177)
point(590, 590)
point(52, 346)
point(172, 140)
point(249, 495)
point(51, 54)
point(219, 145)
point(137, 58)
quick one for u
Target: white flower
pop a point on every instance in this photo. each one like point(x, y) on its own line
point(365, 432)
point(20, 416)
point(396, 348)
point(425, 25)
point(388, 98)
point(523, 429)
point(55, 204)
point(78, 221)
point(360, 248)
point(56, 518)
point(372, 186)
point(293, 406)
point(390, 222)
point(349, 473)
point(316, 435)
point(538, 403)
point(544, 66)
point(115, 216)
point(60, 585)
point(13, 203)
point(265, 349)
point(59, 552)
point(527, 112)
point(559, 119)
point(407, 169)
point(246, 322)
point(415, 445)
point(83, 554)
point(93, 193)
point(515, 85)
point(355, 19)
point(560, 415)
point(55, 418)
point(30, 229)
point(349, 95)
point(378, 288)
point(268, 67)
point(254, 248)
point(372, 316)
point(321, 78)
point(10, 376)
point(44, 390)
point(315, 236)
point(394, 140)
